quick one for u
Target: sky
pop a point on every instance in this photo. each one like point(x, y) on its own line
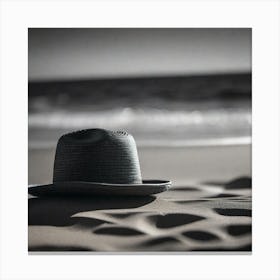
point(71, 53)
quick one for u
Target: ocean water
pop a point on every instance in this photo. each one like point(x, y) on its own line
point(172, 111)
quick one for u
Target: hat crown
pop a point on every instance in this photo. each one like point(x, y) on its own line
point(97, 155)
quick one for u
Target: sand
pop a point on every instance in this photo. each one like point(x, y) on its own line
point(204, 210)
point(179, 164)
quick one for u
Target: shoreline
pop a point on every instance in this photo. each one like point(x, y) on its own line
point(225, 141)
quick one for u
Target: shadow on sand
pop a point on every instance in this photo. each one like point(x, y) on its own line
point(238, 183)
point(57, 211)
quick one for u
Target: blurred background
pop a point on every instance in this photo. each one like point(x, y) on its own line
point(178, 91)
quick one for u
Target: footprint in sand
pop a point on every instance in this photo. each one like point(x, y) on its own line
point(189, 201)
point(238, 230)
point(84, 222)
point(223, 195)
point(161, 241)
point(240, 183)
point(119, 231)
point(200, 235)
point(124, 215)
point(234, 212)
point(173, 220)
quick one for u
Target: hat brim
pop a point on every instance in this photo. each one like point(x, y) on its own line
point(148, 187)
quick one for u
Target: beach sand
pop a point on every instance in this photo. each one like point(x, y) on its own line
point(207, 209)
point(179, 164)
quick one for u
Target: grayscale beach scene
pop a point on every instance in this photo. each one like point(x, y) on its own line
point(190, 127)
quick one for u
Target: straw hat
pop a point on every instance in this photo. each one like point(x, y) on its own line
point(98, 162)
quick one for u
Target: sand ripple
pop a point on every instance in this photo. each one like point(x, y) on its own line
point(203, 217)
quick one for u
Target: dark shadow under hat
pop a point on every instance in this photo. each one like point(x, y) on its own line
point(98, 161)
